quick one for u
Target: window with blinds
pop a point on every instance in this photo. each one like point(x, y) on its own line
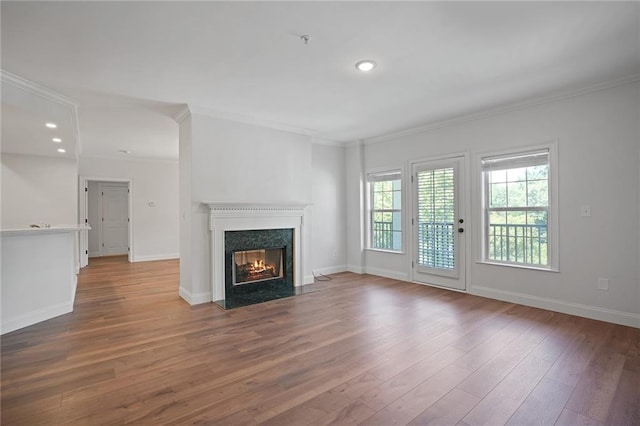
point(385, 210)
point(517, 208)
point(436, 218)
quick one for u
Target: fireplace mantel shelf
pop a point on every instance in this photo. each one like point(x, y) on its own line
point(223, 206)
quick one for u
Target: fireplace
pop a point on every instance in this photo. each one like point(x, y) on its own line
point(258, 265)
point(237, 227)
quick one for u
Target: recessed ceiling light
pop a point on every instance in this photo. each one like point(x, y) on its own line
point(57, 140)
point(366, 65)
point(51, 125)
point(62, 150)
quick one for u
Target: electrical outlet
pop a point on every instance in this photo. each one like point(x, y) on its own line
point(603, 284)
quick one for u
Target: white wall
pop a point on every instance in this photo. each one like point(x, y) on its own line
point(245, 163)
point(39, 190)
point(354, 206)
point(225, 161)
point(155, 229)
point(598, 137)
point(328, 213)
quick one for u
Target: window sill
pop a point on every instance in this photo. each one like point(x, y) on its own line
point(513, 265)
point(384, 251)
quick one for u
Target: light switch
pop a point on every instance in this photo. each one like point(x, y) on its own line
point(585, 211)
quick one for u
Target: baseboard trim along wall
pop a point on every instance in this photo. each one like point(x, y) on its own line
point(152, 257)
point(587, 311)
point(355, 269)
point(330, 270)
point(394, 275)
point(35, 317)
point(194, 299)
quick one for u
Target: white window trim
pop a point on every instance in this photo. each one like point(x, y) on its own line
point(553, 247)
point(403, 203)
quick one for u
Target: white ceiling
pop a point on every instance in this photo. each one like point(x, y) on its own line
point(129, 65)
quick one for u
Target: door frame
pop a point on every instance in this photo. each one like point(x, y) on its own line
point(465, 197)
point(83, 214)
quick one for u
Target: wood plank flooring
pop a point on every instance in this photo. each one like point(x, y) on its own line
point(360, 350)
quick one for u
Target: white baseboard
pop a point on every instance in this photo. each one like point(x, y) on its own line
point(73, 290)
point(194, 299)
point(35, 317)
point(152, 257)
point(355, 269)
point(308, 279)
point(394, 275)
point(587, 311)
point(330, 269)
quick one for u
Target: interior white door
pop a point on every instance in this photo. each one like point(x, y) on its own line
point(114, 205)
point(439, 223)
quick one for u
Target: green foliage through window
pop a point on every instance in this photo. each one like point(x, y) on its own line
point(385, 198)
point(517, 208)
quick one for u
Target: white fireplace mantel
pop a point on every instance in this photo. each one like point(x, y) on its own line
point(251, 216)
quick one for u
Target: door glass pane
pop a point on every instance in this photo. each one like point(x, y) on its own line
point(436, 218)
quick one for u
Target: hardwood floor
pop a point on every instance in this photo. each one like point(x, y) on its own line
point(362, 349)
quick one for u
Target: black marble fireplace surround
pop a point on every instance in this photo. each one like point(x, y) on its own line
point(261, 291)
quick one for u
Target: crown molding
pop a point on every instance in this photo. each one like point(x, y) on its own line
point(49, 95)
point(36, 89)
point(245, 119)
point(129, 159)
point(181, 114)
point(558, 96)
point(327, 142)
point(354, 143)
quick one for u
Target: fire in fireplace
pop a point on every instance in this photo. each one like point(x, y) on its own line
point(251, 266)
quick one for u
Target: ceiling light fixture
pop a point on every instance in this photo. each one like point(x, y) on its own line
point(366, 65)
point(51, 125)
point(57, 140)
point(62, 150)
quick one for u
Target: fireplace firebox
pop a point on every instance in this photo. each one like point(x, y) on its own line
point(257, 265)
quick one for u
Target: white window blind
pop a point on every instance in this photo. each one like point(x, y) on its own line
point(436, 218)
point(530, 159)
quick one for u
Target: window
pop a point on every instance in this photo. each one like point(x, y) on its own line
point(385, 208)
point(517, 209)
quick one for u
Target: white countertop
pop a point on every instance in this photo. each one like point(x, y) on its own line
point(56, 229)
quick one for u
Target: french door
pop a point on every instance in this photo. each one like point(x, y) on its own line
point(438, 223)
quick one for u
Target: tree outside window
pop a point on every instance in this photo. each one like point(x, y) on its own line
point(517, 208)
point(385, 207)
